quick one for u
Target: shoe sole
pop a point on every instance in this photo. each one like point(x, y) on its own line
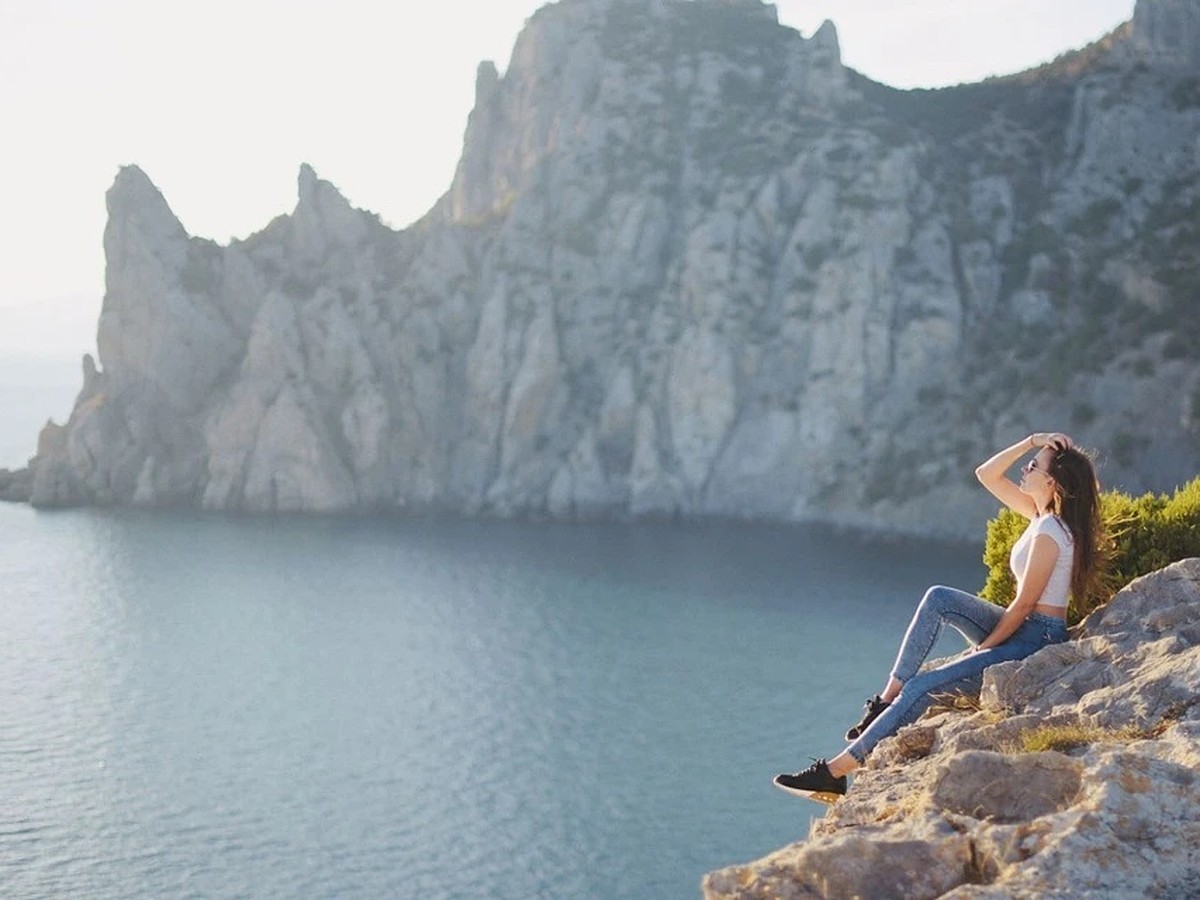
point(826, 797)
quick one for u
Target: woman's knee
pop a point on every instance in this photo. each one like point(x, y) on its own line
point(937, 596)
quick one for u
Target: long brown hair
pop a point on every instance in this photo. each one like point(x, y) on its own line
point(1076, 501)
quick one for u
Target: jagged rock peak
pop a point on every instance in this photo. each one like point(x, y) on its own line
point(318, 198)
point(825, 39)
point(315, 191)
point(133, 196)
point(487, 79)
point(579, 12)
point(1167, 33)
point(687, 260)
point(91, 375)
point(323, 215)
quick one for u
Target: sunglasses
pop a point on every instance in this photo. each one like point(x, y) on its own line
point(1032, 466)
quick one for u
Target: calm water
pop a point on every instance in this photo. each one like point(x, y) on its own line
point(206, 706)
point(216, 707)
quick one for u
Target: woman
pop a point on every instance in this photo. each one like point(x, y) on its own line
point(1055, 556)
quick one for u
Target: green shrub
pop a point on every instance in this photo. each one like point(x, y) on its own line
point(1144, 534)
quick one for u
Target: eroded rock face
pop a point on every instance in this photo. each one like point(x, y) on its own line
point(690, 264)
point(1167, 33)
point(953, 807)
point(1003, 788)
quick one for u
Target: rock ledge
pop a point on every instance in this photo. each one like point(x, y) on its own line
point(956, 806)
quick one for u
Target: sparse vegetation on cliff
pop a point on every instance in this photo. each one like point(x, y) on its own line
point(1066, 736)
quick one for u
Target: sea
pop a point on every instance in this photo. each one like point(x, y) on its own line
point(204, 705)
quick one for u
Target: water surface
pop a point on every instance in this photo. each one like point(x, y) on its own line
point(200, 705)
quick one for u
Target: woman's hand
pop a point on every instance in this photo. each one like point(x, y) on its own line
point(1053, 439)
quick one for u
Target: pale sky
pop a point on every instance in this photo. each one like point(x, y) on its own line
point(219, 103)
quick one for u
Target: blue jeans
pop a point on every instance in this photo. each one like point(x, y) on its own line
point(974, 619)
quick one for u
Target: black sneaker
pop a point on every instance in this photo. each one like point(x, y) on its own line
point(871, 710)
point(816, 783)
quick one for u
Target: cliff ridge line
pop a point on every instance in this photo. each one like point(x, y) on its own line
point(690, 265)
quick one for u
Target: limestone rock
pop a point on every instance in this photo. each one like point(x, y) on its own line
point(16, 486)
point(999, 788)
point(849, 866)
point(1167, 33)
point(690, 264)
point(972, 814)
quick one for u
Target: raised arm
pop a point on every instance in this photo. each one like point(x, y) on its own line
point(992, 473)
point(992, 476)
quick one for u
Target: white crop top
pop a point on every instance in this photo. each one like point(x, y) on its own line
point(1059, 585)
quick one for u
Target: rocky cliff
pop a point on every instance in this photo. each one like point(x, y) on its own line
point(1079, 776)
point(690, 264)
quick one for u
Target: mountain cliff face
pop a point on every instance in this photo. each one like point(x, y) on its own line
point(1078, 777)
point(690, 264)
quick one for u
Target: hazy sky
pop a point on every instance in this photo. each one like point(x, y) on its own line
point(219, 103)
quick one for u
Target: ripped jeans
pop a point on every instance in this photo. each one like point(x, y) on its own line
point(974, 619)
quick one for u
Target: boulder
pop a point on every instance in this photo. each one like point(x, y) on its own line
point(968, 804)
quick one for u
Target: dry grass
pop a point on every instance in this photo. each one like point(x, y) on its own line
point(1071, 735)
point(962, 702)
point(900, 809)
